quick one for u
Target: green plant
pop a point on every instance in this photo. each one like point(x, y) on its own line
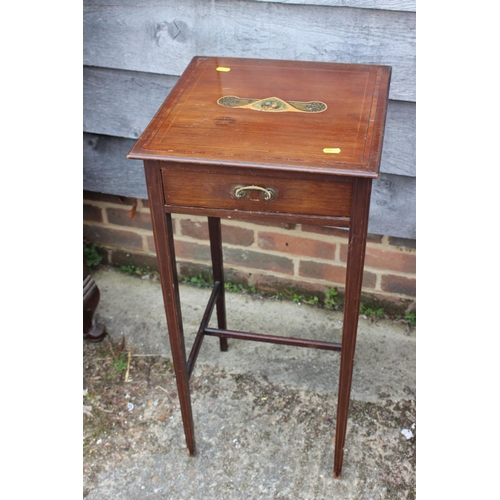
point(119, 364)
point(130, 269)
point(291, 294)
point(198, 281)
point(296, 297)
point(137, 271)
point(91, 254)
point(239, 288)
point(331, 300)
point(372, 312)
point(312, 302)
point(411, 318)
point(233, 287)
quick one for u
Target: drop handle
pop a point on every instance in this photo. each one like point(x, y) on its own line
point(241, 191)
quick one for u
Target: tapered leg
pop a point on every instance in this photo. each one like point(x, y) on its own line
point(163, 233)
point(214, 229)
point(354, 279)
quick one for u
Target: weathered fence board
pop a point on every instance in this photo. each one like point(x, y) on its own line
point(122, 103)
point(135, 51)
point(393, 206)
point(400, 5)
point(399, 149)
point(107, 170)
point(162, 38)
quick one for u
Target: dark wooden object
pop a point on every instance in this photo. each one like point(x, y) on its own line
point(92, 331)
point(272, 140)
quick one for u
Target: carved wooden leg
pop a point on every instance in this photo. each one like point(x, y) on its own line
point(164, 240)
point(354, 279)
point(214, 228)
point(93, 332)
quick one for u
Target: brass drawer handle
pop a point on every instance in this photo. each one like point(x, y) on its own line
point(267, 193)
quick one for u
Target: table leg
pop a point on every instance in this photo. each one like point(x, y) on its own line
point(354, 279)
point(214, 229)
point(164, 241)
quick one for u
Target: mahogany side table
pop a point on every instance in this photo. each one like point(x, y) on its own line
point(283, 141)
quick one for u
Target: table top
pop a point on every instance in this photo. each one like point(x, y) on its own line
point(271, 114)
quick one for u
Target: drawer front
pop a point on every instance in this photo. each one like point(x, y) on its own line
point(278, 192)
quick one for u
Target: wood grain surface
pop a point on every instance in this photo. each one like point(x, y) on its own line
point(122, 103)
point(192, 126)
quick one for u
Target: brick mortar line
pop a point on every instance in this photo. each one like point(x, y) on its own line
point(249, 270)
point(337, 253)
point(302, 279)
point(294, 277)
point(297, 231)
point(296, 264)
point(384, 244)
point(376, 290)
point(254, 245)
point(103, 205)
point(110, 204)
point(137, 230)
point(145, 233)
point(145, 245)
point(381, 272)
point(322, 282)
point(276, 253)
point(332, 239)
point(200, 219)
point(136, 252)
point(295, 257)
point(104, 214)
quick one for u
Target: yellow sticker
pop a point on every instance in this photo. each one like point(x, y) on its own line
point(331, 150)
point(224, 70)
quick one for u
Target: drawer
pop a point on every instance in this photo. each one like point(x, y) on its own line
point(276, 192)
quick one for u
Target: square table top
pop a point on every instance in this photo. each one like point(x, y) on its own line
point(272, 114)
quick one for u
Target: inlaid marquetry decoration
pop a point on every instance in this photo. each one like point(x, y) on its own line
point(272, 104)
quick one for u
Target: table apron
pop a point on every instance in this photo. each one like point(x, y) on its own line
point(341, 222)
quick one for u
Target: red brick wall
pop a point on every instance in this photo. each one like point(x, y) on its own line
point(267, 256)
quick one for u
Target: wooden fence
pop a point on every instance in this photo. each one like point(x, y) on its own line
point(134, 52)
